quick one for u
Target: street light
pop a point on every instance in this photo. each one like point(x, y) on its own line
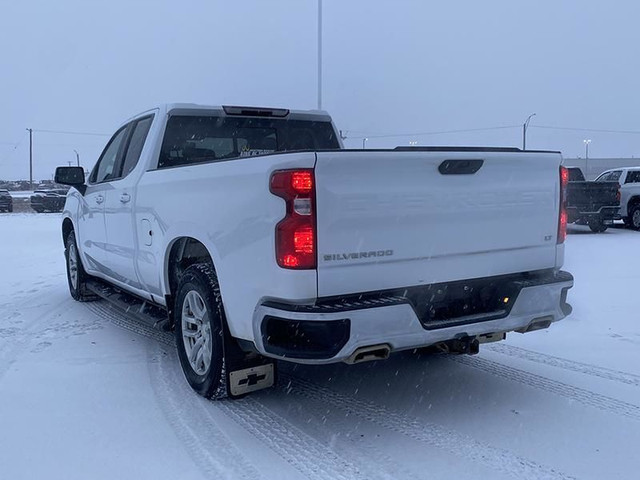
point(586, 158)
point(77, 156)
point(586, 148)
point(364, 143)
point(525, 125)
point(319, 54)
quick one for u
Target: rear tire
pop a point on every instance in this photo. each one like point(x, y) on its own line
point(76, 275)
point(634, 217)
point(597, 226)
point(199, 320)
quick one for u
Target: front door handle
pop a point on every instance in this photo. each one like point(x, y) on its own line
point(124, 198)
point(99, 199)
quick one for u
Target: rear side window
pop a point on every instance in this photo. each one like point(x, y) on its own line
point(605, 177)
point(136, 142)
point(633, 177)
point(196, 139)
point(615, 176)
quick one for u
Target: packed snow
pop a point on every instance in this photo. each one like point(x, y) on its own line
point(86, 393)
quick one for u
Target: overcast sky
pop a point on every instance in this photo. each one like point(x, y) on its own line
point(390, 67)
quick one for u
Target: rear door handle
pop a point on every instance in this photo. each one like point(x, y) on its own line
point(124, 198)
point(99, 199)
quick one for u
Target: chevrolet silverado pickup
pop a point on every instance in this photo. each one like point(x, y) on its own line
point(254, 236)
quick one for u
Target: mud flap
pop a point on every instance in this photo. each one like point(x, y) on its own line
point(246, 371)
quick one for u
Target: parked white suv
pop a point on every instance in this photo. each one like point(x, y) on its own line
point(254, 236)
point(629, 180)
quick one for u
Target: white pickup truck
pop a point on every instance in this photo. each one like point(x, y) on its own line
point(255, 236)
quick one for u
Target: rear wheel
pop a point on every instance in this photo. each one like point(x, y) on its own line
point(76, 275)
point(597, 226)
point(10, 208)
point(634, 217)
point(199, 318)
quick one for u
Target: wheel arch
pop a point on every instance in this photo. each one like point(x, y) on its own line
point(67, 228)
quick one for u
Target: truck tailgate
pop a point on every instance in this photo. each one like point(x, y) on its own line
point(591, 196)
point(391, 219)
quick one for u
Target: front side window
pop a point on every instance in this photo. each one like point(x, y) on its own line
point(605, 177)
point(105, 168)
point(136, 143)
point(196, 139)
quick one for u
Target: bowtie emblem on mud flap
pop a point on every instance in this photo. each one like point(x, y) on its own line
point(251, 379)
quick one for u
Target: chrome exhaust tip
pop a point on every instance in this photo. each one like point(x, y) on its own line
point(369, 354)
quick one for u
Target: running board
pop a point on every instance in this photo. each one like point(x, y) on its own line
point(142, 310)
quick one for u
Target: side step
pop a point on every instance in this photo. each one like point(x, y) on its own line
point(142, 310)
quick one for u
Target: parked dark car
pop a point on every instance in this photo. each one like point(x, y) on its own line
point(591, 203)
point(48, 200)
point(6, 201)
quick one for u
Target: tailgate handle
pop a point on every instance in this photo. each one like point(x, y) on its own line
point(460, 167)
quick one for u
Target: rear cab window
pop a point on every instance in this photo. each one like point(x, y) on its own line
point(193, 139)
point(575, 175)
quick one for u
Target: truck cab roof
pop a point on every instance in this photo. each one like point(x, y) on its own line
point(235, 110)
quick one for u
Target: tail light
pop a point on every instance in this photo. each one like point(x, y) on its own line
point(562, 217)
point(618, 194)
point(296, 232)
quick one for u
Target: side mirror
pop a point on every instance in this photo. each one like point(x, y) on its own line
point(73, 176)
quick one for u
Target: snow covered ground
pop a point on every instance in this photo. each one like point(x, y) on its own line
point(87, 394)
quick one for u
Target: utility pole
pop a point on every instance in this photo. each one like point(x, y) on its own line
point(77, 156)
point(319, 54)
point(30, 130)
point(525, 125)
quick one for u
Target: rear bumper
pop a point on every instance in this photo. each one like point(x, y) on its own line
point(396, 321)
point(603, 213)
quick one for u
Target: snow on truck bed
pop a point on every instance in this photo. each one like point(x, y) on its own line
point(87, 394)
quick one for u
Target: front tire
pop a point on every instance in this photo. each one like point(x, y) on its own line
point(199, 318)
point(76, 275)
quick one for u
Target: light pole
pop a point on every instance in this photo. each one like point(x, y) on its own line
point(586, 148)
point(525, 125)
point(319, 54)
point(364, 143)
point(77, 156)
point(30, 130)
point(586, 158)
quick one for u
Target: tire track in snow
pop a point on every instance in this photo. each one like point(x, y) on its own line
point(307, 455)
point(18, 339)
point(426, 432)
point(585, 368)
point(215, 454)
point(586, 397)
point(362, 455)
